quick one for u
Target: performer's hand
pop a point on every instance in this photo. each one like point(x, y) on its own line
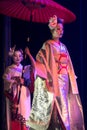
point(21, 81)
point(27, 51)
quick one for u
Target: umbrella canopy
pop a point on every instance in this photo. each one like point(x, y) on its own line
point(35, 10)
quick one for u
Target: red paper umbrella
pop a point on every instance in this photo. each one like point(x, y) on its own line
point(35, 10)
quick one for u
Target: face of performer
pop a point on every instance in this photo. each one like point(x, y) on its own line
point(58, 31)
point(17, 57)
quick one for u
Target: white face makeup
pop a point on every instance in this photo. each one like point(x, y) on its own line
point(17, 57)
point(58, 31)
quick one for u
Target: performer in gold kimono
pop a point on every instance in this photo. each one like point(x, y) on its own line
point(18, 98)
point(56, 102)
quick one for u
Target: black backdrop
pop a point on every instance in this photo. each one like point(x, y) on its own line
point(14, 31)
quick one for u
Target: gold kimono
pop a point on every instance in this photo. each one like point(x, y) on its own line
point(56, 102)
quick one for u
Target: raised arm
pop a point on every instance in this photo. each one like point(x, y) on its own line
point(27, 52)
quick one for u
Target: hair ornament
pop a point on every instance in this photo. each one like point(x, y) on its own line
point(52, 22)
point(12, 50)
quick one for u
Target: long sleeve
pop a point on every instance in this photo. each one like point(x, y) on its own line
point(7, 79)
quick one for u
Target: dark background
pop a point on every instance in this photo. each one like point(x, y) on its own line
point(14, 31)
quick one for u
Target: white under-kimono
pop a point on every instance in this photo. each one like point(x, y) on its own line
point(24, 105)
point(56, 102)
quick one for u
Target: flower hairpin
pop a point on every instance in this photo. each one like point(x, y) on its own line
point(12, 50)
point(52, 22)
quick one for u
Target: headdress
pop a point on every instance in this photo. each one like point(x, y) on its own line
point(12, 50)
point(53, 21)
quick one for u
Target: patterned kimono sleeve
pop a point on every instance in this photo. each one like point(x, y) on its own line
point(41, 67)
point(72, 76)
point(7, 79)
